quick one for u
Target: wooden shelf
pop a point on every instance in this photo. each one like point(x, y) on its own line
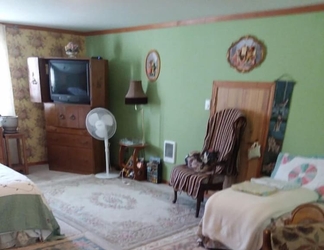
point(139, 173)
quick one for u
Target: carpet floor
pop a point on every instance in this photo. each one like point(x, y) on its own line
point(116, 214)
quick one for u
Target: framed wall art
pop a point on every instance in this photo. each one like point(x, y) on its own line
point(152, 65)
point(246, 54)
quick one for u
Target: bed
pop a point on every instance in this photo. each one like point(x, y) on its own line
point(25, 216)
point(236, 219)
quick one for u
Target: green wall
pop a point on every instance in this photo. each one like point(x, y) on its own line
point(191, 58)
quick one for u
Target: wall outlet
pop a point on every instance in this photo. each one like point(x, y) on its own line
point(207, 104)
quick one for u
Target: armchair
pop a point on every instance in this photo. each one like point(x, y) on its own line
point(224, 132)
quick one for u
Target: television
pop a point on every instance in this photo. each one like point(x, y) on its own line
point(69, 81)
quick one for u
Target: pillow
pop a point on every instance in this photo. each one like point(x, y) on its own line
point(307, 171)
point(254, 188)
point(302, 236)
point(279, 184)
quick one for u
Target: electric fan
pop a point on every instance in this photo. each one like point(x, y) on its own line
point(101, 124)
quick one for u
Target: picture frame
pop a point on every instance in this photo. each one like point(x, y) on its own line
point(169, 151)
point(246, 53)
point(152, 65)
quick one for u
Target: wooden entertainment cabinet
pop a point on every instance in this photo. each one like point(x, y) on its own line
point(70, 147)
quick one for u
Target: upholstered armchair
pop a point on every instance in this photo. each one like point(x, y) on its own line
point(223, 136)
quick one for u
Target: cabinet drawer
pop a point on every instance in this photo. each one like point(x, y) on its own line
point(79, 141)
point(65, 115)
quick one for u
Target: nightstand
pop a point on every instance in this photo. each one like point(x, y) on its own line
point(131, 164)
point(21, 150)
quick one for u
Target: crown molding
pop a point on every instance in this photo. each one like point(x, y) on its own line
point(250, 15)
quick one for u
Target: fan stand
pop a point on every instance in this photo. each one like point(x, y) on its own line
point(107, 174)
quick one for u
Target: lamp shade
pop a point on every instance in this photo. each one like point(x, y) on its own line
point(135, 94)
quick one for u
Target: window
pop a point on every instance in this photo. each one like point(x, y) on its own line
point(6, 95)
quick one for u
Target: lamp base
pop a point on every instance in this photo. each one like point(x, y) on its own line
point(107, 175)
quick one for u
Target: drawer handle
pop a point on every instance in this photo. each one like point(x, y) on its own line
point(72, 117)
point(62, 117)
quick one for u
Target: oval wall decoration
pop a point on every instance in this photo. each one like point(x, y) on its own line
point(152, 65)
point(246, 54)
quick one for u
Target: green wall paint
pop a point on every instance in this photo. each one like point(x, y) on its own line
point(191, 58)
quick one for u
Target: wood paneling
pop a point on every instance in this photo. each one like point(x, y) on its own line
point(255, 100)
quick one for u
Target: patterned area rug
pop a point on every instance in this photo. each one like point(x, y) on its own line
point(126, 215)
point(78, 242)
point(185, 240)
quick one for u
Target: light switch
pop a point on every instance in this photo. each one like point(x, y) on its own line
point(207, 104)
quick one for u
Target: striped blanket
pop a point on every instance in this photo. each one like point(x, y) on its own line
point(224, 132)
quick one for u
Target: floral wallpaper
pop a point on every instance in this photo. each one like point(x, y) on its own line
point(24, 43)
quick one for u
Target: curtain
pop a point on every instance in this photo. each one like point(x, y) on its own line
point(6, 95)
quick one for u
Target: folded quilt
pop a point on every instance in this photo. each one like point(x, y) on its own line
point(279, 184)
point(254, 188)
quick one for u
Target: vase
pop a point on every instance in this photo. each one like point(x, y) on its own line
point(71, 54)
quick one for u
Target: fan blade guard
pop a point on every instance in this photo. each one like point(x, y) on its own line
point(101, 123)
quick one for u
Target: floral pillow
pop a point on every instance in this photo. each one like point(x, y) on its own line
point(307, 171)
point(303, 236)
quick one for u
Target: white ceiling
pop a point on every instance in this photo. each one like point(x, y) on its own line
point(94, 15)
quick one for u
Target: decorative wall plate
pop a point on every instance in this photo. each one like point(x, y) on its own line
point(152, 65)
point(246, 54)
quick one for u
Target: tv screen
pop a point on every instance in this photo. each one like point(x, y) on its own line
point(69, 81)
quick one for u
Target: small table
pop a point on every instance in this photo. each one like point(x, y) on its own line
point(21, 149)
point(139, 173)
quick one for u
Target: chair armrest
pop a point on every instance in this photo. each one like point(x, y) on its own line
point(219, 163)
point(266, 240)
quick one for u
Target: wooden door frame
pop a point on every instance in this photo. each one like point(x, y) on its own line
point(247, 85)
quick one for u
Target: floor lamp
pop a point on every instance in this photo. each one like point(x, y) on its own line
point(135, 95)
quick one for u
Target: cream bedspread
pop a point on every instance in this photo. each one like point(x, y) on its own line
point(238, 219)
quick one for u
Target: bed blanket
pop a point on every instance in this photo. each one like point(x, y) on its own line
point(23, 207)
point(238, 219)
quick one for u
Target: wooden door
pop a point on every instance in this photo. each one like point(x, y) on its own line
point(51, 117)
point(38, 80)
point(255, 100)
point(99, 83)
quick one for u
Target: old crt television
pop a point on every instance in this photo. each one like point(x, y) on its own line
point(69, 81)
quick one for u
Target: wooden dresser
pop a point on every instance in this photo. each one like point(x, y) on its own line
point(2, 148)
point(70, 147)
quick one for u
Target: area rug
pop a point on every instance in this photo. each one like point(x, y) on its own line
point(78, 242)
point(125, 214)
point(185, 240)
